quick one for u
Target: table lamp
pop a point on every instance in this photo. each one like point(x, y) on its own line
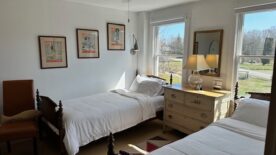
point(196, 63)
point(212, 61)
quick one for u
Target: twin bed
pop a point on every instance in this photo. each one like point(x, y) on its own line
point(243, 133)
point(79, 121)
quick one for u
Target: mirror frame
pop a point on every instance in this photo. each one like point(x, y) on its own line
point(220, 49)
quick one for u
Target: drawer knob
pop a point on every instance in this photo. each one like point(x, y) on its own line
point(173, 95)
point(170, 116)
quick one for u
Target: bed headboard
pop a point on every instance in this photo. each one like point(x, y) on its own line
point(255, 95)
point(153, 76)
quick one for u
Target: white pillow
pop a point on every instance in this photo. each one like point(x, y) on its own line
point(253, 111)
point(148, 86)
point(151, 88)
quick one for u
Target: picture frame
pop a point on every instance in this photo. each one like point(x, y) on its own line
point(53, 52)
point(88, 43)
point(115, 36)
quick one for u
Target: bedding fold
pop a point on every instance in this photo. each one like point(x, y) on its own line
point(90, 118)
point(224, 137)
point(243, 128)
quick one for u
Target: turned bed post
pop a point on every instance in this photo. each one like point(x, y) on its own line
point(61, 128)
point(171, 79)
point(38, 101)
point(110, 146)
point(236, 91)
point(38, 104)
point(236, 95)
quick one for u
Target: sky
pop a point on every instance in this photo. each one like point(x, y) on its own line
point(252, 21)
point(259, 20)
point(172, 30)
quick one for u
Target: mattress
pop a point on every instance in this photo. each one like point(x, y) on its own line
point(158, 102)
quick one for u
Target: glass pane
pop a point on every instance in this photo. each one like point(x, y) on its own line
point(170, 45)
point(168, 65)
point(254, 76)
point(255, 73)
point(259, 33)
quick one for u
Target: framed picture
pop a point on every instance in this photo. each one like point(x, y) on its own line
point(88, 43)
point(115, 36)
point(53, 52)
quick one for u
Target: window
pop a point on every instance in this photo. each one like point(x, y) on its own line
point(256, 58)
point(168, 50)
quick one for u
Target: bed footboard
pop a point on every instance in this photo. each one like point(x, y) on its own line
point(52, 116)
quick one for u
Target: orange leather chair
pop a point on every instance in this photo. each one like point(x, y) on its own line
point(18, 96)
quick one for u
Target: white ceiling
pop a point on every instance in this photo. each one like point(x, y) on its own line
point(134, 5)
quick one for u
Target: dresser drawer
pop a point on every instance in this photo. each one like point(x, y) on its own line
point(174, 95)
point(184, 121)
point(181, 109)
point(199, 102)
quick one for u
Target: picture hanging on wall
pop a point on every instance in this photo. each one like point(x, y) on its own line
point(88, 43)
point(115, 36)
point(53, 52)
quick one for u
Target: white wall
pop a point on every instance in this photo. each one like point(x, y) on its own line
point(206, 15)
point(23, 20)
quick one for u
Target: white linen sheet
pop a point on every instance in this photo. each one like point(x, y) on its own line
point(225, 137)
point(158, 102)
point(89, 118)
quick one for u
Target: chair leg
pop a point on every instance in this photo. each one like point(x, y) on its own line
point(35, 146)
point(9, 146)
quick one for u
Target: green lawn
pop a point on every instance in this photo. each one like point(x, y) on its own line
point(258, 67)
point(254, 85)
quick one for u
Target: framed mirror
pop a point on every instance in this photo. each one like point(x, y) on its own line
point(209, 43)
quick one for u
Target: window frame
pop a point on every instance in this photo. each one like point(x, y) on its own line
point(156, 56)
point(239, 43)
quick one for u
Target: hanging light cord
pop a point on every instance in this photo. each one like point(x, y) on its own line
point(128, 11)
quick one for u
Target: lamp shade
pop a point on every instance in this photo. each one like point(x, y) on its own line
point(196, 63)
point(212, 60)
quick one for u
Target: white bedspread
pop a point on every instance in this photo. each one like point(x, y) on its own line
point(225, 137)
point(89, 118)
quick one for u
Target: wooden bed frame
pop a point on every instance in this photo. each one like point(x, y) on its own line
point(255, 95)
point(53, 113)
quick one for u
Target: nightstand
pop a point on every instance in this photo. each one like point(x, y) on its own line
point(190, 110)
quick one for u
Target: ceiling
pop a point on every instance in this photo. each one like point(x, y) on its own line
point(134, 5)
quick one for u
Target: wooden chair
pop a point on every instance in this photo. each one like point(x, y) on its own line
point(18, 96)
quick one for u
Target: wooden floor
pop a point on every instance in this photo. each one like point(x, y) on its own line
point(133, 135)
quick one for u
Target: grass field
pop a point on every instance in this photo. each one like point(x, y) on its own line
point(254, 85)
point(258, 67)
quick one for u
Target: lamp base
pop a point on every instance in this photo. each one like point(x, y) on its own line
point(195, 80)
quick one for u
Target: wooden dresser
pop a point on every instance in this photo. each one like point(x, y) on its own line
point(191, 110)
